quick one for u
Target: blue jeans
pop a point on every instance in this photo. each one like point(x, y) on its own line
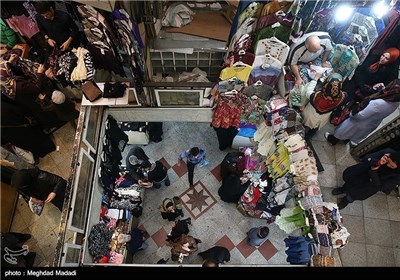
point(166, 180)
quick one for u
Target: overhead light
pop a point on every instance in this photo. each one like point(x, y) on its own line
point(380, 9)
point(343, 13)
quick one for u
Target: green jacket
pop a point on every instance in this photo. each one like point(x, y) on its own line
point(8, 36)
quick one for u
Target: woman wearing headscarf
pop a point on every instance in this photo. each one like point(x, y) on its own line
point(375, 71)
point(368, 115)
point(317, 112)
point(379, 171)
point(24, 91)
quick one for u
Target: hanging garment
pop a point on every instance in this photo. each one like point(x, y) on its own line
point(275, 6)
point(115, 134)
point(265, 73)
point(227, 112)
point(344, 60)
point(245, 57)
point(274, 47)
point(365, 27)
point(252, 10)
point(260, 90)
point(247, 27)
point(279, 30)
point(266, 60)
point(242, 72)
point(229, 85)
point(323, 20)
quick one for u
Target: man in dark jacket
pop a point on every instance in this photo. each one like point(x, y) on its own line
point(57, 27)
point(40, 186)
point(379, 171)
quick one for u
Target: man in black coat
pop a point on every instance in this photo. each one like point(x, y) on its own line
point(379, 171)
point(39, 186)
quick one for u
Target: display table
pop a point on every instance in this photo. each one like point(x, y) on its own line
point(124, 100)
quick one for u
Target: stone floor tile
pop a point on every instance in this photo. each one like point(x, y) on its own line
point(325, 152)
point(180, 169)
point(377, 232)
point(245, 249)
point(159, 237)
point(353, 254)
point(327, 178)
point(395, 229)
point(355, 208)
point(380, 256)
point(355, 226)
point(343, 156)
point(396, 257)
point(217, 173)
point(225, 242)
point(267, 249)
point(376, 207)
point(394, 208)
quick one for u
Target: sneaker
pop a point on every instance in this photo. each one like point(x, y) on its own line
point(337, 191)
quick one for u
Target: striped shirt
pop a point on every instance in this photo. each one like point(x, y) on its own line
point(299, 53)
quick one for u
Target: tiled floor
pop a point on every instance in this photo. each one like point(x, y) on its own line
point(374, 223)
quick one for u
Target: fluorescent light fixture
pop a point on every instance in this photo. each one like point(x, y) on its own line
point(380, 9)
point(343, 13)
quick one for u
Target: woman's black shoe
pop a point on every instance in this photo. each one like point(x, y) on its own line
point(343, 203)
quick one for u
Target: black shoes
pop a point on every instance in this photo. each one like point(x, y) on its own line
point(343, 203)
point(337, 191)
point(30, 259)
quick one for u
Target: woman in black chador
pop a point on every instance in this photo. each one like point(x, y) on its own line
point(379, 171)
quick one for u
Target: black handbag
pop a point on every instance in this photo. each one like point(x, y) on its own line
point(114, 90)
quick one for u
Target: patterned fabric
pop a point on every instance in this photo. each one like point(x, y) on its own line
point(252, 111)
point(344, 60)
point(278, 164)
point(228, 112)
point(274, 47)
point(30, 69)
point(323, 261)
point(310, 202)
point(24, 25)
point(7, 81)
point(261, 91)
point(252, 10)
point(275, 6)
point(305, 167)
point(331, 95)
point(267, 74)
point(229, 85)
